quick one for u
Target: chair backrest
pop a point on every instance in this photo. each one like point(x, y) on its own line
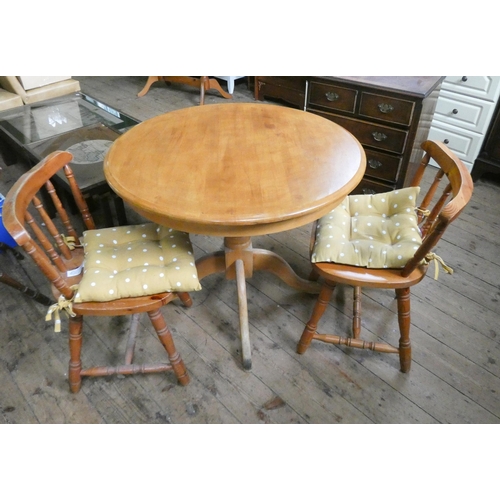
point(53, 243)
point(439, 207)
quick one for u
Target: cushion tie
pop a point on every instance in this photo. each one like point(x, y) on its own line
point(432, 256)
point(424, 212)
point(62, 304)
point(70, 242)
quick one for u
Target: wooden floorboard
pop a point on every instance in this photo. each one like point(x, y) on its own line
point(456, 350)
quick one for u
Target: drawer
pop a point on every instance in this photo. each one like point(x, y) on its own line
point(290, 82)
point(332, 97)
point(367, 186)
point(289, 89)
point(382, 166)
point(465, 144)
point(464, 111)
point(385, 108)
point(291, 96)
point(483, 87)
point(370, 134)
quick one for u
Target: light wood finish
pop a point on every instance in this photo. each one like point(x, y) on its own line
point(204, 83)
point(444, 206)
point(61, 265)
point(236, 171)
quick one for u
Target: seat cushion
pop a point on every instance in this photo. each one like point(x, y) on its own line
point(373, 231)
point(134, 261)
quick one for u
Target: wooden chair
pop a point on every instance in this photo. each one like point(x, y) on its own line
point(431, 218)
point(61, 257)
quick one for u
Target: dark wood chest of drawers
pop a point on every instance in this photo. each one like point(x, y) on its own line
point(390, 116)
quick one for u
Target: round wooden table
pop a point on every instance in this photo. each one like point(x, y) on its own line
point(236, 170)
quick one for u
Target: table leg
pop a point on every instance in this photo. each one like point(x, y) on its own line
point(264, 260)
point(246, 356)
point(238, 260)
point(211, 264)
point(151, 80)
point(204, 83)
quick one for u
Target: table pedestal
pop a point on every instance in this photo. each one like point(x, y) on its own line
point(238, 260)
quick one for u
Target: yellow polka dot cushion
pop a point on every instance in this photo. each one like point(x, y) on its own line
point(374, 231)
point(134, 261)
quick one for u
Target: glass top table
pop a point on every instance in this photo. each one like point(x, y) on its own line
point(77, 123)
point(32, 123)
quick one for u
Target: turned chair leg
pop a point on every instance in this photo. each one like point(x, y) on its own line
point(185, 298)
point(168, 343)
point(75, 348)
point(403, 296)
point(313, 275)
point(319, 309)
point(356, 313)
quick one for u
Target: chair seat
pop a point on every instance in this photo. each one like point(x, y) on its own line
point(135, 261)
point(374, 231)
point(373, 278)
point(385, 241)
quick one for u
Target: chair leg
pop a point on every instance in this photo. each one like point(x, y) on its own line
point(319, 309)
point(166, 339)
point(75, 348)
point(356, 313)
point(185, 298)
point(403, 297)
point(313, 275)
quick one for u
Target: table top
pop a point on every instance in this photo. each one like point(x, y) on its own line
point(234, 169)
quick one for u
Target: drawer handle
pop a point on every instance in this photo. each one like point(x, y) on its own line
point(455, 111)
point(464, 78)
point(446, 141)
point(385, 108)
point(379, 136)
point(374, 163)
point(331, 96)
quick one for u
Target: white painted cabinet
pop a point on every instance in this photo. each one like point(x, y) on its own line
point(230, 81)
point(463, 112)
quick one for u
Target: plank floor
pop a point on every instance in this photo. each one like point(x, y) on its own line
point(456, 352)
